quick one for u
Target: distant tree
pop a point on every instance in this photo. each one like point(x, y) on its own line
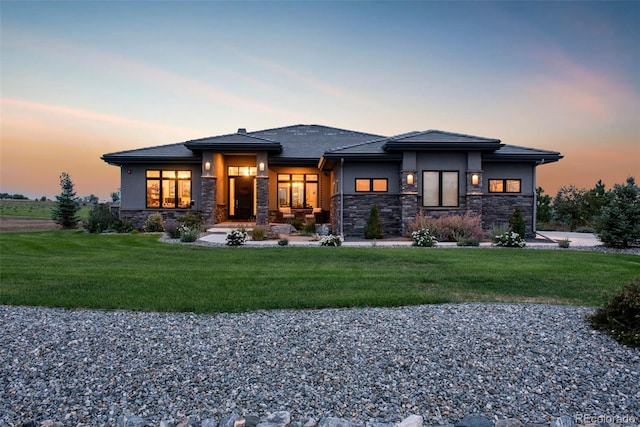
point(516, 222)
point(373, 229)
point(115, 196)
point(543, 206)
point(568, 206)
point(92, 199)
point(43, 198)
point(619, 223)
point(594, 200)
point(66, 210)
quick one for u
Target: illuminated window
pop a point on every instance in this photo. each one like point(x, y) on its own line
point(242, 171)
point(504, 186)
point(297, 190)
point(168, 189)
point(371, 184)
point(440, 188)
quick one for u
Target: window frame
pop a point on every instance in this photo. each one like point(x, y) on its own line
point(441, 189)
point(164, 176)
point(505, 187)
point(302, 182)
point(371, 186)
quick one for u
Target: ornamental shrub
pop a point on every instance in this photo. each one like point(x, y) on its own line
point(516, 222)
point(449, 228)
point(236, 237)
point(619, 223)
point(373, 229)
point(283, 242)
point(190, 220)
point(100, 219)
point(188, 234)
point(423, 238)
point(121, 226)
point(331, 240)
point(510, 239)
point(257, 233)
point(154, 223)
point(620, 316)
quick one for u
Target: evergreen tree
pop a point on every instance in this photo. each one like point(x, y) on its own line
point(66, 210)
point(373, 229)
point(516, 222)
point(619, 223)
point(543, 206)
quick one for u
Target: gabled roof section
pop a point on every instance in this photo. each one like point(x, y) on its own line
point(235, 142)
point(440, 140)
point(516, 153)
point(172, 153)
point(310, 141)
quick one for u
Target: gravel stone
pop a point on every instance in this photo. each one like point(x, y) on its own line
point(530, 363)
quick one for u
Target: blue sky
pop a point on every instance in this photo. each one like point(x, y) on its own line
point(80, 79)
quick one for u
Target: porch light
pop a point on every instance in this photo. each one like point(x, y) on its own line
point(475, 179)
point(261, 166)
point(410, 179)
point(207, 166)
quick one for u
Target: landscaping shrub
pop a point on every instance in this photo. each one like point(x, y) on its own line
point(423, 238)
point(121, 226)
point(564, 243)
point(172, 228)
point(510, 239)
point(154, 223)
point(257, 233)
point(331, 240)
point(373, 228)
point(297, 224)
point(191, 220)
point(516, 222)
point(236, 237)
point(467, 241)
point(309, 228)
point(65, 212)
point(283, 242)
point(100, 219)
point(620, 316)
point(188, 234)
point(619, 223)
point(449, 228)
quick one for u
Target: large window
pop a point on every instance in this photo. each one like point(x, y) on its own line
point(168, 189)
point(297, 190)
point(371, 184)
point(504, 186)
point(440, 188)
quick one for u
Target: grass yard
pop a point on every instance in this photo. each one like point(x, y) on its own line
point(137, 272)
point(34, 209)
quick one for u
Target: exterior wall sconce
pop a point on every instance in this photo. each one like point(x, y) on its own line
point(410, 179)
point(475, 179)
point(261, 166)
point(207, 166)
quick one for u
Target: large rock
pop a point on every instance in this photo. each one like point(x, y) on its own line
point(564, 421)
point(411, 421)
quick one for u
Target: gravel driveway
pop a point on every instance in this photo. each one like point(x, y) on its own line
point(530, 362)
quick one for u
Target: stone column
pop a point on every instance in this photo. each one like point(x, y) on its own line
point(208, 199)
point(408, 198)
point(474, 194)
point(262, 198)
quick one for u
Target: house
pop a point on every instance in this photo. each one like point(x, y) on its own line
point(331, 175)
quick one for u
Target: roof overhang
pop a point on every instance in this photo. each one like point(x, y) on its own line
point(116, 160)
point(330, 160)
point(441, 146)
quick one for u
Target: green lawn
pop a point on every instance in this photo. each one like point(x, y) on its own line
point(75, 269)
point(34, 209)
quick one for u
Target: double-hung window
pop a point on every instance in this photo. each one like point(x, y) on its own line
point(504, 186)
point(168, 189)
point(440, 188)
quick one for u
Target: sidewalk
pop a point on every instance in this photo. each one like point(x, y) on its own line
point(545, 239)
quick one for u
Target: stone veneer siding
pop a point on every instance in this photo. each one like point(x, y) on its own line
point(138, 217)
point(208, 199)
point(262, 196)
point(497, 209)
point(356, 213)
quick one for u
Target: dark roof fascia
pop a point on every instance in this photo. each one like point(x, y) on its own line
point(119, 161)
point(329, 160)
point(392, 146)
point(530, 158)
point(273, 147)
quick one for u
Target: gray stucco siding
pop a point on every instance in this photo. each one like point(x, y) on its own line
point(443, 161)
point(374, 170)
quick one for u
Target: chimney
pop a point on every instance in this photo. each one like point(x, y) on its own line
point(242, 130)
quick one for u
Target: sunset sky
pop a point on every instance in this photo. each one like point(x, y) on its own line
point(80, 79)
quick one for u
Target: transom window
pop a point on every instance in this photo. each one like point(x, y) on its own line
point(440, 188)
point(504, 186)
point(242, 171)
point(168, 189)
point(297, 190)
point(371, 184)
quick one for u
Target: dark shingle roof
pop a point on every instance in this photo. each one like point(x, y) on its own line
point(437, 140)
point(241, 142)
point(171, 153)
point(518, 153)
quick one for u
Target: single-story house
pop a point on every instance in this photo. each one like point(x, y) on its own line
point(331, 176)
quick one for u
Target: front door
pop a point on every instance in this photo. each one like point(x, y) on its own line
point(242, 198)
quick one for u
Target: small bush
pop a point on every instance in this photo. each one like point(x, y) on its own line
point(236, 237)
point(467, 241)
point(189, 234)
point(122, 226)
point(309, 228)
point(423, 238)
point(331, 240)
point(498, 230)
point(516, 222)
point(373, 228)
point(620, 316)
point(449, 228)
point(257, 233)
point(191, 220)
point(283, 242)
point(564, 243)
point(154, 223)
point(172, 228)
point(420, 222)
point(510, 239)
point(100, 219)
point(297, 224)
